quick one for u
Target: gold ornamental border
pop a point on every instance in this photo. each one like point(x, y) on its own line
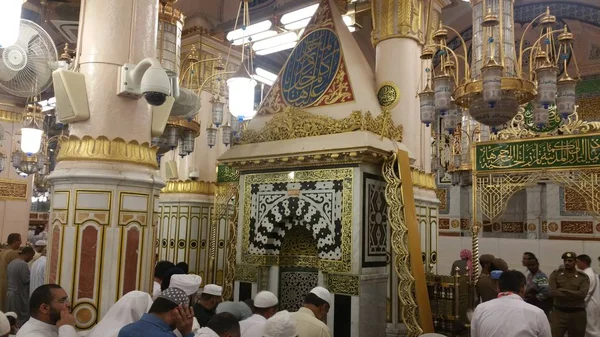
point(189, 187)
point(167, 13)
point(346, 175)
point(423, 180)
point(524, 90)
point(188, 125)
point(73, 148)
point(10, 116)
point(246, 273)
point(294, 123)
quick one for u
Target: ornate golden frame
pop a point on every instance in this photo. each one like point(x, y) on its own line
point(345, 174)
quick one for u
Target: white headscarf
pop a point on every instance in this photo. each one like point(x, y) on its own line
point(4, 324)
point(128, 309)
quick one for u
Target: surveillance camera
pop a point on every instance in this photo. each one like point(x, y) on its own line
point(194, 175)
point(155, 86)
point(147, 79)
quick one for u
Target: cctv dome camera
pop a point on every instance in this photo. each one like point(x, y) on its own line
point(155, 86)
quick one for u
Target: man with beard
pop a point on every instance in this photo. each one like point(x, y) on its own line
point(50, 314)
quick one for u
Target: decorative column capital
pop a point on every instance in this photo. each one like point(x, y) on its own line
point(410, 19)
point(189, 186)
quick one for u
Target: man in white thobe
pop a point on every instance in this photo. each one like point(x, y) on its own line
point(592, 300)
point(51, 314)
point(40, 249)
point(509, 315)
point(38, 272)
point(265, 306)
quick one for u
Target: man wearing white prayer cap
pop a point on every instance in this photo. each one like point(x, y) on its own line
point(4, 325)
point(310, 318)
point(282, 324)
point(40, 248)
point(265, 306)
point(190, 284)
point(204, 310)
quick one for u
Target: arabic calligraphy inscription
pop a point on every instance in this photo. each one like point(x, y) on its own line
point(539, 153)
point(311, 68)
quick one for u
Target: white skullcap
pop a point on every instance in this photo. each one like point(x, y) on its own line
point(265, 299)
point(213, 289)
point(186, 282)
point(282, 324)
point(11, 314)
point(40, 243)
point(4, 324)
point(322, 293)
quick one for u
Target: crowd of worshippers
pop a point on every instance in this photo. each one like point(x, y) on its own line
point(177, 306)
point(512, 303)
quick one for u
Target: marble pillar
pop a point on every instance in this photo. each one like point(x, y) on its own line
point(185, 222)
point(105, 186)
point(533, 223)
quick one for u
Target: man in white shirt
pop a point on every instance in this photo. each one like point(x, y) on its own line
point(509, 315)
point(592, 299)
point(310, 318)
point(38, 272)
point(50, 314)
point(265, 306)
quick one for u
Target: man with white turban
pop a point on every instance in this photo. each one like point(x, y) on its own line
point(39, 247)
point(190, 284)
point(127, 310)
point(265, 306)
point(282, 324)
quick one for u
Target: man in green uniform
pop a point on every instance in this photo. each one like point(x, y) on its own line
point(569, 288)
point(487, 289)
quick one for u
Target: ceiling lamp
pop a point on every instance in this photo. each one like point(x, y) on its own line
point(297, 25)
point(264, 76)
point(257, 37)
point(306, 12)
point(31, 132)
point(241, 93)
point(10, 21)
point(495, 84)
point(249, 30)
point(276, 49)
point(276, 41)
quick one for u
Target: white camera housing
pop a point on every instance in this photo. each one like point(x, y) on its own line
point(147, 79)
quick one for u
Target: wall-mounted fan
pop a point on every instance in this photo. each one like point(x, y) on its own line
point(26, 66)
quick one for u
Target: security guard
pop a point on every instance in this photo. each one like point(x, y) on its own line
point(487, 288)
point(569, 288)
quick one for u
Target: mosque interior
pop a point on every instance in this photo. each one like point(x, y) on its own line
point(279, 145)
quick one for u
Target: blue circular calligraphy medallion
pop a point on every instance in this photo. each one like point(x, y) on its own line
point(311, 68)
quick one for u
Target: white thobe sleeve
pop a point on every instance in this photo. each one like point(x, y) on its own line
point(475, 323)
point(593, 283)
point(543, 324)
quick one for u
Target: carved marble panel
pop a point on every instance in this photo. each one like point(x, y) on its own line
point(374, 221)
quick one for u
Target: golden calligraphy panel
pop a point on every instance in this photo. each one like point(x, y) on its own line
point(577, 227)
point(556, 152)
point(444, 223)
point(13, 190)
point(574, 201)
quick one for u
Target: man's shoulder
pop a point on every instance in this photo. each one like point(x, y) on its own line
point(304, 318)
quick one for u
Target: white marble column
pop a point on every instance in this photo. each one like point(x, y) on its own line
point(105, 186)
point(533, 224)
